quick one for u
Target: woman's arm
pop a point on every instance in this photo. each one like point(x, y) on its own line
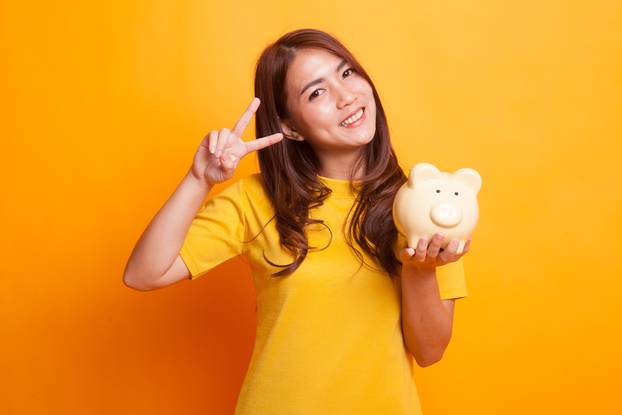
point(158, 246)
point(155, 260)
point(426, 319)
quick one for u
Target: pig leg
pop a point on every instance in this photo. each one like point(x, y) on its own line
point(460, 247)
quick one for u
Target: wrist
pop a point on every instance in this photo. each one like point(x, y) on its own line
point(197, 181)
point(411, 271)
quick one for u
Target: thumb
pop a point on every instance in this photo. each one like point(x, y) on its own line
point(229, 161)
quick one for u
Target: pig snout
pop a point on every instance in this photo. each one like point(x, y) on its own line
point(446, 214)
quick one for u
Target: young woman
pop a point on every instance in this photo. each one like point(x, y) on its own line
point(343, 304)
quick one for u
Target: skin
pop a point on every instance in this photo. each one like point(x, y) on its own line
point(316, 114)
point(428, 255)
point(427, 320)
point(221, 151)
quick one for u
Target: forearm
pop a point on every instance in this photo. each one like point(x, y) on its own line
point(426, 323)
point(161, 241)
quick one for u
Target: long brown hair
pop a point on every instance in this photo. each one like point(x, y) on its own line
point(289, 168)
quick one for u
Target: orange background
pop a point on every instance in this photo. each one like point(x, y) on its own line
point(104, 106)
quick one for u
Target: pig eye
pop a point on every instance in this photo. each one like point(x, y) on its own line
point(438, 191)
point(456, 193)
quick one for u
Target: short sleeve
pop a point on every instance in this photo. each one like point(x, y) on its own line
point(451, 280)
point(216, 232)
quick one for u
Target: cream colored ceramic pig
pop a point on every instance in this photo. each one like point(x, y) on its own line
point(434, 201)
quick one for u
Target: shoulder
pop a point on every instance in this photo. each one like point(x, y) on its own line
point(251, 187)
point(241, 185)
point(252, 181)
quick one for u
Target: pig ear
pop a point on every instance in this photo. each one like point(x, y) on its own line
point(422, 172)
point(469, 177)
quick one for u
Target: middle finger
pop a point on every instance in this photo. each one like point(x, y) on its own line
point(240, 126)
point(449, 254)
point(435, 245)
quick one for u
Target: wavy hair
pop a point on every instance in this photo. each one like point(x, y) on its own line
point(289, 168)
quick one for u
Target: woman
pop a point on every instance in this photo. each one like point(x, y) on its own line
point(333, 336)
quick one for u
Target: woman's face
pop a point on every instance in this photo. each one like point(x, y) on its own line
point(323, 91)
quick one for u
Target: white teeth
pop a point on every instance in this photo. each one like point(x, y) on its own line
point(353, 118)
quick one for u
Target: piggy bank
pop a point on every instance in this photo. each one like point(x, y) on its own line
point(434, 201)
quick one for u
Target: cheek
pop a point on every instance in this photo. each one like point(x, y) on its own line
point(365, 87)
point(319, 115)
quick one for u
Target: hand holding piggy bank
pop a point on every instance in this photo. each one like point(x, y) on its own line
point(433, 201)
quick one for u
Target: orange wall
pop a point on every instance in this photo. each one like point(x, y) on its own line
point(104, 105)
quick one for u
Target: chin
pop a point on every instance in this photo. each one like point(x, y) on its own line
point(369, 140)
point(369, 136)
point(364, 141)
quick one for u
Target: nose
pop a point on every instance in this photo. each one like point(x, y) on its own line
point(345, 97)
point(446, 215)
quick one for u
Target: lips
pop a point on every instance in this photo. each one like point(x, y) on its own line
point(354, 112)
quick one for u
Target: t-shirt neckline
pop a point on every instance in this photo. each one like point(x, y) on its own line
point(340, 187)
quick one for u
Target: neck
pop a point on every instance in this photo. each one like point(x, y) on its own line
point(339, 166)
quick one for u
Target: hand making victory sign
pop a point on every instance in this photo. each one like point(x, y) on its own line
point(220, 151)
point(428, 257)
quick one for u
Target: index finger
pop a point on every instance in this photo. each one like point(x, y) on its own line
point(240, 126)
point(262, 142)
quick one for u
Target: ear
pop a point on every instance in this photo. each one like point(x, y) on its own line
point(289, 132)
point(470, 178)
point(422, 172)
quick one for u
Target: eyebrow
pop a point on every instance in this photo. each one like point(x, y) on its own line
point(317, 81)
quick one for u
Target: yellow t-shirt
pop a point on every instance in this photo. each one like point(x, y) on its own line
point(328, 340)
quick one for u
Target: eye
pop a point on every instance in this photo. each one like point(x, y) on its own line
point(313, 94)
point(438, 191)
point(456, 193)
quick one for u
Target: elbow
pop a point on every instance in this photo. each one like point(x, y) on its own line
point(429, 353)
point(429, 359)
point(129, 279)
point(130, 283)
point(429, 356)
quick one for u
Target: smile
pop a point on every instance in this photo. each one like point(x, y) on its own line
point(355, 120)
